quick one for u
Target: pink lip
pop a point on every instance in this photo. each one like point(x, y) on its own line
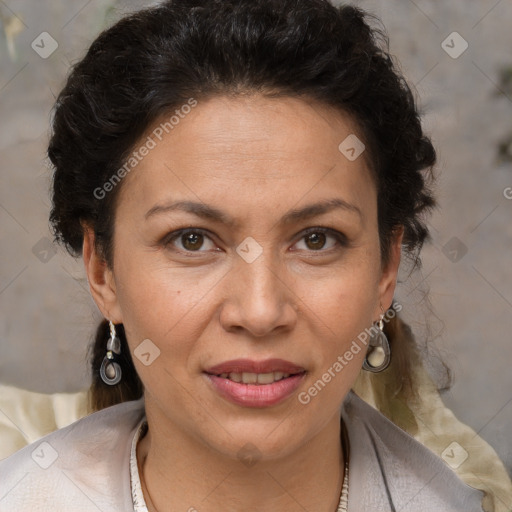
point(256, 395)
point(248, 366)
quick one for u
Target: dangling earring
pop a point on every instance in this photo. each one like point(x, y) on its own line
point(379, 354)
point(110, 370)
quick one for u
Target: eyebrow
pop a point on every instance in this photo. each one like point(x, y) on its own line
point(209, 212)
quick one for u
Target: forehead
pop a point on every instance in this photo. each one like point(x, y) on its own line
point(250, 151)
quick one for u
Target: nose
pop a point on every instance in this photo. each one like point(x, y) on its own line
point(260, 299)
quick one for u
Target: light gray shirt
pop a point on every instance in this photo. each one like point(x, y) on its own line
point(86, 467)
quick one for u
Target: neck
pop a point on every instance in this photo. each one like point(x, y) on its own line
point(179, 473)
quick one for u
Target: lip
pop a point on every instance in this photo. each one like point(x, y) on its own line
point(249, 366)
point(256, 395)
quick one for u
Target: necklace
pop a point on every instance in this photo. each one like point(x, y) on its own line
point(343, 505)
point(144, 492)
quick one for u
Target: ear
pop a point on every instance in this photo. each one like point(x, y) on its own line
point(101, 279)
point(387, 282)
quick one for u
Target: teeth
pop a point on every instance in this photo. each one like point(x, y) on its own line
point(255, 378)
point(265, 378)
point(235, 377)
point(249, 378)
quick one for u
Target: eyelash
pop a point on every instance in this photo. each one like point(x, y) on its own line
point(340, 238)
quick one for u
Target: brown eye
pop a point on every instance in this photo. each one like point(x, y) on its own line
point(191, 240)
point(315, 240)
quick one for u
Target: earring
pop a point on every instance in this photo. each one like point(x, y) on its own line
point(110, 370)
point(378, 356)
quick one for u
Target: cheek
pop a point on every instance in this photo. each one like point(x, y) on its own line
point(347, 295)
point(168, 306)
point(153, 294)
point(339, 353)
point(345, 305)
point(349, 315)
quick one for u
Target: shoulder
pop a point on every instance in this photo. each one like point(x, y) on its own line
point(76, 467)
point(390, 470)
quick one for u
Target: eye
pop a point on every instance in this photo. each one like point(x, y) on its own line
point(189, 240)
point(197, 240)
point(315, 239)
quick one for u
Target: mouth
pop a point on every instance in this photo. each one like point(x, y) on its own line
point(255, 384)
point(249, 367)
point(256, 378)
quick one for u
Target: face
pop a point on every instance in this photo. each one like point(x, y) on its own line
point(246, 234)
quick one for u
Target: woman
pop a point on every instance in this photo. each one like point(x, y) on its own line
point(240, 177)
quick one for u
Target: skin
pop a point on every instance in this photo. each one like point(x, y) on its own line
point(303, 300)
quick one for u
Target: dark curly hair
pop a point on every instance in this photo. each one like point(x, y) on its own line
point(152, 62)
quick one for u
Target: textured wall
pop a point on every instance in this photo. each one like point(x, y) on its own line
point(47, 316)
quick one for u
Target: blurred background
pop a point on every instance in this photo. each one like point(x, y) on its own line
point(458, 57)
